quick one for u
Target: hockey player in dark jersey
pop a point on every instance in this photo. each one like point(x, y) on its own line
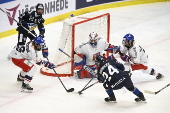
point(113, 78)
point(30, 20)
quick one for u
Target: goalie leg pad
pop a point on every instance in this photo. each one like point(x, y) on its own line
point(85, 74)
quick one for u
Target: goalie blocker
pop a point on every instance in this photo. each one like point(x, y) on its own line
point(81, 72)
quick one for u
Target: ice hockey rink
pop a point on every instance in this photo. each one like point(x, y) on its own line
point(150, 25)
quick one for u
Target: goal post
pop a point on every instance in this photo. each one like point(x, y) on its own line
point(76, 31)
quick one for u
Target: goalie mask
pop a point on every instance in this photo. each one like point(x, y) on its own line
point(128, 40)
point(38, 43)
point(100, 60)
point(93, 38)
point(39, 8)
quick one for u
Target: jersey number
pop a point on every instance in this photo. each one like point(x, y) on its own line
point(20, 49)
point(111, 71)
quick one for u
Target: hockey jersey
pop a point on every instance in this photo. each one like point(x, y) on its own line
point(31, 20)
point(137, 54)
point(25, 52)
point(114, 77)
point(90, 52)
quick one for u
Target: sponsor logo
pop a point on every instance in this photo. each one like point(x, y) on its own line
point(49, 7)
point(12, 13)
point(118, 82)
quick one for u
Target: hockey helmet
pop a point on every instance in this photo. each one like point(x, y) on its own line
point(39, 8)
point(100, 60)
point(93, 38)
point(128, 40)
point(38, 43)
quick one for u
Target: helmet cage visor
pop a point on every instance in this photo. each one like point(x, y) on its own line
point(93, 39)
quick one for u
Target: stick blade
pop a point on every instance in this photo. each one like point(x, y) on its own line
point(149, 92)
point(80, 93)
point(70, 90)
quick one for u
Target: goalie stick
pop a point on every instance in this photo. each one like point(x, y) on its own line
point(151, 92)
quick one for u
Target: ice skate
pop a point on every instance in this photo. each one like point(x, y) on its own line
point(108, 99)
point(140, 100)
point(159, 76)
point(20, 78)
point(26, 87)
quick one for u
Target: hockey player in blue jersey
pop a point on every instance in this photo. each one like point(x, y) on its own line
point(113, 78)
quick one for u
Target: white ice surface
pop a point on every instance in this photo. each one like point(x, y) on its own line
point(149, 23)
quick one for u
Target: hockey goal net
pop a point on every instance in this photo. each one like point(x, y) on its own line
point(76, 31)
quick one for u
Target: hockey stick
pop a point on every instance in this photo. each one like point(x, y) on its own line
point(87, 87)
point(150, 92)
point(65, 53)
point(68, 90)
point(91, 72)
point(18, 22)
point(86, 68)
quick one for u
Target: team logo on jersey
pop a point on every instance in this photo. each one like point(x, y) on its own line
point(95, 55)
point(12, 13)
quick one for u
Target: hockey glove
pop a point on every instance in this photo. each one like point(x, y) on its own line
point(125, 58)
point(101, 79)
point(45, 52)
point(113, 49)
point(20, 23)
point(49, 65)
point(41, 35)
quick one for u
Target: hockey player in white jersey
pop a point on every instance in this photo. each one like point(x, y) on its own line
point(22, 57)
point(136, 56)
point(88, 51)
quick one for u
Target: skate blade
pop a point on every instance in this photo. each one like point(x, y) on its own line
point(27, 91)
point(141, 101)
point(111, 101)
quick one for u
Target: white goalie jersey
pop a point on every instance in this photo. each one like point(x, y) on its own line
point(137, 54)
point(90, 52)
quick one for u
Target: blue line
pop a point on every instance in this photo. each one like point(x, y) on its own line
point(5, 1)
